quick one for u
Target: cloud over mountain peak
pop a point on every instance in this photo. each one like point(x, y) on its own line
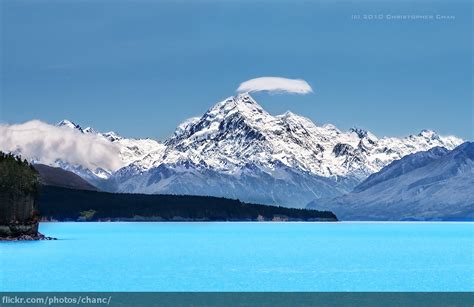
point(276, 85)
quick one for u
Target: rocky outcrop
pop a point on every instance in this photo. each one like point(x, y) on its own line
point(19, 183)
point(18, 217)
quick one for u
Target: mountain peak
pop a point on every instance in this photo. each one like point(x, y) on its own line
point(360, 132)
point(89, 130)
point(288, 114)
point(330, 127)
point(242, 104)
point(69, 124)
point(363, 134)
point(244, 99)
point(428, 134)
point(295, 119)
point(112, 136)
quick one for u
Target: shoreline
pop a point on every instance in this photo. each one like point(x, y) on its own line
point(191, 221)
point(25, 237)
point(269, 221)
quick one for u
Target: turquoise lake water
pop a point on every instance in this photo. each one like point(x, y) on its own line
point(243, 257)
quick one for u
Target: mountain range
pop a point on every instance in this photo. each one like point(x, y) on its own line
point(237, 149)
point(435, 184)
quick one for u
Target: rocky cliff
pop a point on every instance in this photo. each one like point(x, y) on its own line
point(18, 192)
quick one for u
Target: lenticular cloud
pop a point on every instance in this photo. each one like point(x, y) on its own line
point(35, 139)
point(276, 85)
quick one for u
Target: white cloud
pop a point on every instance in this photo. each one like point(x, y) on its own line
point(45, 143)
point(276, 85)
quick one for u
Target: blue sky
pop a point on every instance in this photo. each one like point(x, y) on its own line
point(142, 67)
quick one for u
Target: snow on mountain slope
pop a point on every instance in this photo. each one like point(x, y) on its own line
point(69, 124)
point(237, 149)
point(130, 150)
point(67, 145)
point(436, 184)
point(237, 140)
point(238, 131)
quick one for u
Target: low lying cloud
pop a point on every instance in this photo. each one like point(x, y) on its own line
point(45, 143)
point(276, 85)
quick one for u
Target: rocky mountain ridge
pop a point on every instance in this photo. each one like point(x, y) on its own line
point(237, 149)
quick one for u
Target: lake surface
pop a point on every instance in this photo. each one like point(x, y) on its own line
point(243, 257)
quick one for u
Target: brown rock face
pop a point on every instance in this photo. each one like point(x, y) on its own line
point(18, 216)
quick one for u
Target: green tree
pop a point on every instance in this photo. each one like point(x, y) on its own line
point(17, 177)
point(87, 215)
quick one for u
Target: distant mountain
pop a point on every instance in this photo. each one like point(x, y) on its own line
point(437, 184)
point(238, 131)
point(237, 149)
point(131, 150)
point(55, 176)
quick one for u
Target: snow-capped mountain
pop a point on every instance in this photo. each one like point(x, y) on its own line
point(130, 150)
point(434, 184)
point(237, 149)
point(238, 131)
